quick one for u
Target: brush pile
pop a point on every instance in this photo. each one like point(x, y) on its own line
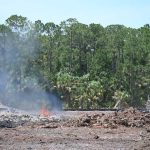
point(129, 118)
point(11, 120)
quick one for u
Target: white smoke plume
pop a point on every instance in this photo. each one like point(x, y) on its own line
point(18, 90)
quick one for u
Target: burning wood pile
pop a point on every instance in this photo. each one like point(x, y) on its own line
point(130, 118)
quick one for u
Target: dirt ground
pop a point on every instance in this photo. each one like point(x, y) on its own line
point(74, 138)
point(127, 130)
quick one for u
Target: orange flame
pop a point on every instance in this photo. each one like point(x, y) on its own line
point(44, 111)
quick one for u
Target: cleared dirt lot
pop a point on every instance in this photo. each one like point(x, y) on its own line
point(74, 138)
point(128, 130)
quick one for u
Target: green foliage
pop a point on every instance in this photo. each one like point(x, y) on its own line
point(79, 91)
point(88, 65)
point(120, 95)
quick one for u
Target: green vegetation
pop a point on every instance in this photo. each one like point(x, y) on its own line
point(89, 66)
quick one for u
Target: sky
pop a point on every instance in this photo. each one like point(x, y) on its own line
point(131, 13)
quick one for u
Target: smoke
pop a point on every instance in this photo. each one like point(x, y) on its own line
point(32, 100)
point(17, 88)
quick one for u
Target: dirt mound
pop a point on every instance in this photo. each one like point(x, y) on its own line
point(130, 118)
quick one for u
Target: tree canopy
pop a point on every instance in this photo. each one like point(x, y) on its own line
point(88, 66)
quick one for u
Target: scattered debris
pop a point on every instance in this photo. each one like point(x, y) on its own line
point(129, 118)
point(63, 130)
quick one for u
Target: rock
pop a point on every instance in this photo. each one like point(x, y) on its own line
point(147, 129)
point(96, 137)
point(86, 119)
point(147, 115)
point(7, 124)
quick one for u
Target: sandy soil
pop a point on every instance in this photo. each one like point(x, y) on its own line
point(78, 133)
point(74, 138)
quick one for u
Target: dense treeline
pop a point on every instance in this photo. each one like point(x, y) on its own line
point(89, 66)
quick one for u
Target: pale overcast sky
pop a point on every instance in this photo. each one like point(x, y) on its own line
point(131, 13)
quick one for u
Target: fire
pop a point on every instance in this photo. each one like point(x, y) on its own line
point(44, 111)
